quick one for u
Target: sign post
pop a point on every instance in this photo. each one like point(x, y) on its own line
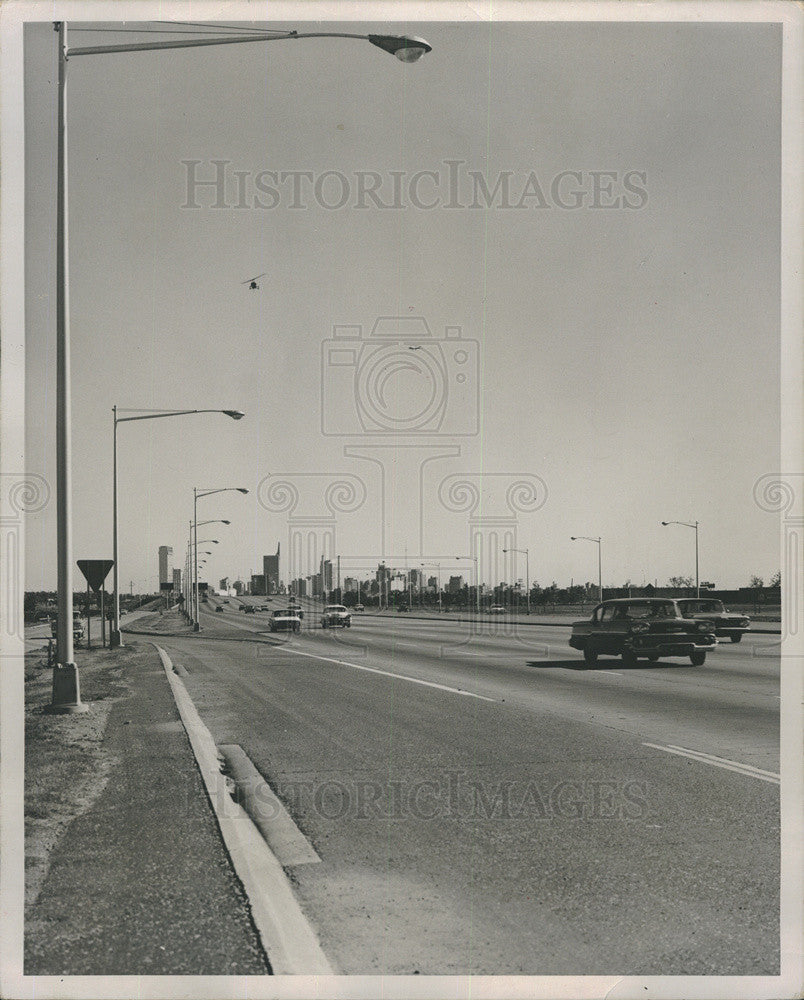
point(95, 572)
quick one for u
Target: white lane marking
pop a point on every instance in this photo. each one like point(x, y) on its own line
point(616, 673)
point(388, 673)
point(729, 765)
point(288, 938)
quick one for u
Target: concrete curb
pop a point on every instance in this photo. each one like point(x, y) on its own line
point(287, 937)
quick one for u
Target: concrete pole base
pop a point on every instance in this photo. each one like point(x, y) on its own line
point(66, 692)
point(115, 639)
point(196, 627)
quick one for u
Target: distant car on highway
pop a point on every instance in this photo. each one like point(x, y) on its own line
point(219, 608)
point(646, 627)
point(263, 607)
point(335, 616)
point(78, 628)
point(497, 609)
point(725, 624)
point(250, 609)
point(402, 607)
point(360, 607)
point(242, 607)
point(226, 600)
point(285, 620)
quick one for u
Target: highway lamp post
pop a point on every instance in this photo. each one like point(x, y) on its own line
point(66, 684)
point(527, 572)
point(197, 495)
point(474, 559)
point(694, 525)
point(438, 567)
point(114, 638)
point(203, 541)
point(201, 525)
point(588, 538)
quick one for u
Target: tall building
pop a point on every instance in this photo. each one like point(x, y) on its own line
point(223, 585)
point(270, 572)
point(165, 569)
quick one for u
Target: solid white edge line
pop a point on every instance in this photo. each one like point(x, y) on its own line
point(387, 673)
point(289, 941)
point(724, 760)
point(744, 769)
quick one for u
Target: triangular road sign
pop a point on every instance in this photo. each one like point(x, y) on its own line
point(95, 571)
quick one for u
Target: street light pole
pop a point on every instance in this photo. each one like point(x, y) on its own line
point(587, 538)
point(66, 687)
point(688, 524)
point(115, 638)
point(527, 571)
point(477, 580)
point(197, 495)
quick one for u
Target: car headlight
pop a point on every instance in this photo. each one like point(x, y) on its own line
point(704, 626)
point(640, 627)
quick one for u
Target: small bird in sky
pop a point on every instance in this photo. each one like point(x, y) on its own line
point(252, 282)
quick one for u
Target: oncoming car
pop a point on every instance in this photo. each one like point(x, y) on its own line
point(285, 620)
point(335, 615)
point(644, 627)
point(496, 609)
point(724, 623)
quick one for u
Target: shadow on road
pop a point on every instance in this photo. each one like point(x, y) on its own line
point(615, 663)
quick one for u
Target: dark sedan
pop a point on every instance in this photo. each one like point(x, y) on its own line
point(647, 628)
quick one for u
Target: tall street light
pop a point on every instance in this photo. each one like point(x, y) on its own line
point(197, 495)
point(587, 538)
point(527, 570)
point(114, 637)
point(477, 580)
point(66, 687)
point(688, 524)
point(438, 567)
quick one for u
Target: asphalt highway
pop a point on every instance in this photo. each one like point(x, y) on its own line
point(482, 802)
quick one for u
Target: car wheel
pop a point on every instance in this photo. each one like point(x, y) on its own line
point(590, 655)
point(629, 658)
point(736, 638)
point(698, 658)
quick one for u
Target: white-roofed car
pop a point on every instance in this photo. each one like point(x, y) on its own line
point(284, 620)
point(725, 624)
point(335, 616)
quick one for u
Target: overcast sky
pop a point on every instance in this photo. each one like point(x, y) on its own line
point(599, 215)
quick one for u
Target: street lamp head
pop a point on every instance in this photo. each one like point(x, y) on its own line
point(665, 523)
point(406, 49)
point(234, 414)
point(573, 538)
point(226, 522)
point(240, 489)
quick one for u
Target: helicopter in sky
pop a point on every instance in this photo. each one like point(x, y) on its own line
point(252, 282)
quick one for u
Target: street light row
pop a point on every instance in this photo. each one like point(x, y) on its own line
point(66, 686)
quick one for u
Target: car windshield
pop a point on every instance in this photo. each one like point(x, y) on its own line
point(334, 607)
point(696, 607)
